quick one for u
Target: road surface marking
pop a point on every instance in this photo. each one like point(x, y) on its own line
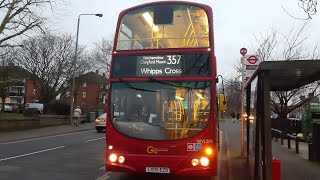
point(95, 139)
point(105, 176)
point(45, 137)
point(103, 168)
point(37, 152)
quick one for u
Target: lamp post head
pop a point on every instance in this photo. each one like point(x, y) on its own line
point(100, 15)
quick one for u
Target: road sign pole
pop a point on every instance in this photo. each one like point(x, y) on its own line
point(242, 112)
point(243, 52)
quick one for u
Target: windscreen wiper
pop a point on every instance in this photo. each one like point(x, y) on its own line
point(138, 89)
point(178, 86)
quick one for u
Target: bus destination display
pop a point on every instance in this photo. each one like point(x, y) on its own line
point(159, 65)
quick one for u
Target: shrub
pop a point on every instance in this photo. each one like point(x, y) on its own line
point(31, 112)
point(59, 107)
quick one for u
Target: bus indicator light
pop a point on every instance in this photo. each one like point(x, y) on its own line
point(194, 162)
point(208, 151)
point(121, 159)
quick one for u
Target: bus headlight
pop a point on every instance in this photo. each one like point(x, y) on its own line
point(204, 161)
point(194, 162)
point(121, 159)
point(113, 157)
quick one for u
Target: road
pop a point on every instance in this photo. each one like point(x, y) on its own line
point(70, 156)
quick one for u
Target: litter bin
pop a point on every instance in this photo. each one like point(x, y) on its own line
point(276, 169)
point(90, 117)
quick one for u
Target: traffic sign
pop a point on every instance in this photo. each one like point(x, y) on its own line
point(249, 65)
point(252, 60)
point(243, 51)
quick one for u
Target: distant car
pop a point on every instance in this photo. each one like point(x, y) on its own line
point(7, 108)
point(101, 122)
point(15, 108)
point(37, 106)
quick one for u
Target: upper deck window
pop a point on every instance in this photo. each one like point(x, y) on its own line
point(164, 27)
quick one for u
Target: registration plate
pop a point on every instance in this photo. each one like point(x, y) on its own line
point(157, 170)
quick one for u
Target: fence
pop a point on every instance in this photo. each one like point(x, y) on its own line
point(280, 134)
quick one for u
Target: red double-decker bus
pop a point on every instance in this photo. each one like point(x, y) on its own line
point(161, 98)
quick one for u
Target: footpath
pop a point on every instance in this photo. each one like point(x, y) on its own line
point(293, 166)
point(238, 169)
point(43, 132)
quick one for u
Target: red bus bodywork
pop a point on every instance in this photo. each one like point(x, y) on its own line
point(172, 154)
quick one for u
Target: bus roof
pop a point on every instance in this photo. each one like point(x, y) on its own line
point(206, 7)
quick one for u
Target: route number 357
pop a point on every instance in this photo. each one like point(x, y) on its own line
point(173, 59)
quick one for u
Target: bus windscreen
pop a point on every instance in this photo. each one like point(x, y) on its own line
point(163, 27)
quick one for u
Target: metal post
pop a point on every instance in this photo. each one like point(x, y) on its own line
point(242, 113)
point(297, 145)
point(72, 93)
point(289, 144)
point(73, 72)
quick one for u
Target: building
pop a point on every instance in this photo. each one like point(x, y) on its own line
point(90, 87)
point(90, 90)
point(18, 81)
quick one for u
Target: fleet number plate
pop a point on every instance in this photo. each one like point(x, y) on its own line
point(157, 170)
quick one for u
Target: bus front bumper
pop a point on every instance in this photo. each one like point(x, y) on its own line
point(180, 166)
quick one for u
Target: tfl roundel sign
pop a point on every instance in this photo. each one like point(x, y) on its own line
point(252, 60)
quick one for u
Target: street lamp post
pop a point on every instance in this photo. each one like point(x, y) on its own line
point(74, 64)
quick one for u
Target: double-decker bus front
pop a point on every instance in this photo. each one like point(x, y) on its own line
point(161, 98)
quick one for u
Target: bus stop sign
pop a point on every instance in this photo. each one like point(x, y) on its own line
point(252, 60)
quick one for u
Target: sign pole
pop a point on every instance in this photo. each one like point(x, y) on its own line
point(243, 51)
point(242, 112)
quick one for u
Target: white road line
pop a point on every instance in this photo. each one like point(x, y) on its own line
point(95, 139)
point(105, 176)
point(37, 152)
point(46, 137)
point(103, 168)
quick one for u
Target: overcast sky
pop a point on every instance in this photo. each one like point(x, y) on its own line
point(235, 23)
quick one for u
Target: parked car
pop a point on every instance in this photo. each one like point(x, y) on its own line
point(101, 122)
point(15, 107)
point(37, 106)
point(7, 108)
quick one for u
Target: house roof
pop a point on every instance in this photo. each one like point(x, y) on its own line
point(92, 76)
point(15, 71)
point(288, 75)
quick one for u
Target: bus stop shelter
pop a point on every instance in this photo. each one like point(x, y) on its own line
point(271, 76)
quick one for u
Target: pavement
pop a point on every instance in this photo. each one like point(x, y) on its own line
point(43, 132)
point(238, 169)
point(293, 166)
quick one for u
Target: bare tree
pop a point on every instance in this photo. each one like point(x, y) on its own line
point(288, 46)
point(232, 86)
point(22, 16)
point(101, 55)
point(308, 6)
point(50, 59)
point(5, 76)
